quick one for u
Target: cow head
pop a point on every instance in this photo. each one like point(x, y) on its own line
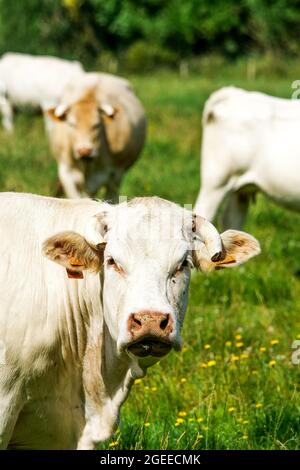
point(144, 252)
point(85, 119)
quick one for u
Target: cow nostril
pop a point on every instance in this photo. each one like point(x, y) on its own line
point(137, 322)
point(164, 323)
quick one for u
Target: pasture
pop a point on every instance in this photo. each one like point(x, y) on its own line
point(233, 386)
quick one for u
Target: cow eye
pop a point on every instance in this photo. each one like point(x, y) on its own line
point(111, 262)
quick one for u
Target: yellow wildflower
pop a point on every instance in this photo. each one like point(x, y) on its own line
point(182, 414)
point(146, 388)
point(245, 421)
point(272, 362)
point(228, 344)
point(146, 425)
point(262, 349)
point(179, 421)
point(203, 365)
point(211, 363)
point(113, 444)
point(273, 342)
point(207, 346)
point(245, 356)
point(258, 405)
point(239, 344)
point(235, 358)
point(205, 428)
point(298, 336)
point(153, 389)
point(231, 409)
point(191, 420)
point(200, 420)
point(245, 437)
point(238, 337)
point(183, 380)
point(137, 381)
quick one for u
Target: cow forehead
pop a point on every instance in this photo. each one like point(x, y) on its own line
point(152, 220)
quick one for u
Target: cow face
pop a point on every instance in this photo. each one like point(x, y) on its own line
point(85, 119)
point(145, 251)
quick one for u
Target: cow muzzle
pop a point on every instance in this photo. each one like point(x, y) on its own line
point(86, 152)
point(150, 332)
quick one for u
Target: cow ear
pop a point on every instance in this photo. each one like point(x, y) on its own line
point(72, 251)
point(108, 110)
point(58, 114)
point(238, 247)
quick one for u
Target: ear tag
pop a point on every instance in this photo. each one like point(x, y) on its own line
point(74, 274)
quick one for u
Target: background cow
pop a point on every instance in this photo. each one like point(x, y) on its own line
point(77, 331)
point(97, 132)
point(250, 143)
point(35, 81)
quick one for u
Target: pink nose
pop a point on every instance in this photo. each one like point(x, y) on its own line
point(149, 323)
point(85, 151)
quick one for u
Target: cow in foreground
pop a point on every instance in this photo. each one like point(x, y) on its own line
point(33, 81)
point(96, 133)
point(92, 295)
point(249, 143)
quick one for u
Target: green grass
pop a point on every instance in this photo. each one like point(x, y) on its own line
point(259, 301)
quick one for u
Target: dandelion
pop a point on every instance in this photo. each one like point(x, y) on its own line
point(245, 421)
point(211, 363)
point(238, 337)
point(258, 406)
point(203, 365)
point(146, 425)
point(207, 346)
point(179, 421)
point(228, 344)
point(200, 420)
point(245, 356)
point(245, 437)
point(153, 389)
point(146, 388)
point(298, 336)
point(191, 420)
point(239, 344)
point(231, 409)
point(235, 358)
point(182, 414)
point(183, 380)
point(273, 342)
point(205, 428)
point(262, 349)
point(137, 381)
point(113, 444)
point(272, 362)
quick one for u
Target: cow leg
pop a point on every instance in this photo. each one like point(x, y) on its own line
point(11, 403)
point(113, 186)
point(7, 113)
point(209, 201)
point(236, 210)
point(72, 180)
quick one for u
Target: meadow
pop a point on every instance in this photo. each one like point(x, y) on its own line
point(233, 386)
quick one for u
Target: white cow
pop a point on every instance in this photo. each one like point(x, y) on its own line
point(90, 296)
point(250, 143)
point(35, 81)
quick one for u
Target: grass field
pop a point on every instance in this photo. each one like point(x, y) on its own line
point(233, 386)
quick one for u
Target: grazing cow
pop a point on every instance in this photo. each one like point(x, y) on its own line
point(91, 295)
point(35, 81)
point(249, 144)
point(96, 133)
